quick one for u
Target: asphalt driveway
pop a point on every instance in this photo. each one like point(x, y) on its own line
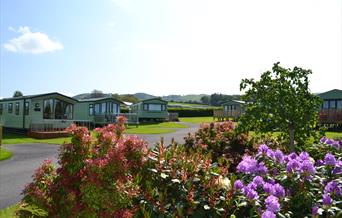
point(17, 171)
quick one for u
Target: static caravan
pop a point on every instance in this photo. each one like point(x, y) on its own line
point(230, 109)
point(331, 109)
point(97, 111)
point(151, 109)
point(37, 112)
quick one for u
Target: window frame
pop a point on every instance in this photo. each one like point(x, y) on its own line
point(17, 108)
point(1, 108)
point(91, 110)
point(10, 108)
point(26, 108)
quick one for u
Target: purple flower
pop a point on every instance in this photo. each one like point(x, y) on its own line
point(314, 210)
point(279, 191)
point(329, 141)
point(279, 156)
point(323, 139)
point(327, 199)
point(337, 145)
point(252, 185)
point(250, 165)
point(329, 159)
point(268, 214)
point(272, 204)
point(319, 163)
point(238, 185)
point(304, 156)
point(263, 148)
point(250, 193)
point(332, 188)
point(247, 165)
point(307, 167)
point(258, 180)
point(268, 188)
point(292, 166)
point(292, 156)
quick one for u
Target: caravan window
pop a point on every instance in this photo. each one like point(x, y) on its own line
point(97, 109)
point(48, 109)
point(103, 108)
point(91, 109)
point(16, 108)
point(339, 104)
point(26, 108)
point(155, 107)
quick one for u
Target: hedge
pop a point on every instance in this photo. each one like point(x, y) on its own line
point(192, 112)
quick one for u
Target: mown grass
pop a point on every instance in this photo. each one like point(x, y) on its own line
point(5, 154)
point(9, 211)
point(196, 120)
point(155, 128)
point(334, 135)
point(10, 138)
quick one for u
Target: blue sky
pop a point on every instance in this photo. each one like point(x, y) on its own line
point(165, 47)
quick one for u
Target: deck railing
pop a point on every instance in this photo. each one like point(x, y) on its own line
point(50, 125)
point(330, 116)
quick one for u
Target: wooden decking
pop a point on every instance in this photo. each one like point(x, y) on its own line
point(221, 115)
point(330, 116)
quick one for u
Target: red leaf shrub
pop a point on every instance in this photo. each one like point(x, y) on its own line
point(96, 177)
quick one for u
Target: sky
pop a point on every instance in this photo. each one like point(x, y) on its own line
point(165, 47)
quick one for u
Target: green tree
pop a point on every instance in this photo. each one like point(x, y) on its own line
point(205, 99)
point(18, 94)
point(281, 101)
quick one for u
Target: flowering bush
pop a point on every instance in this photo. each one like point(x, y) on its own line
point(112, 175)
point(38, 193)
point(325, 145)
point(96, 177)
point(220, 140)
point(181, 183)
point(289, 185)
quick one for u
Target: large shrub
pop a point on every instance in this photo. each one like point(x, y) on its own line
point(96, 177)
point(181, 183)
point(293, 185)
point(221, 141)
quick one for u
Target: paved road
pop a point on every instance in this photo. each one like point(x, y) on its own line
point(16, 172)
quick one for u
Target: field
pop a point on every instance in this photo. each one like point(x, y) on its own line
point(9, 138)
point(196, 120)
point(155, 128)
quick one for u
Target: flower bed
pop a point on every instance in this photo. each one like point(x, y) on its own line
point(117, 176)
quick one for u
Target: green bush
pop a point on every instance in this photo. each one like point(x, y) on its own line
point(192, 112)
point(221, 141)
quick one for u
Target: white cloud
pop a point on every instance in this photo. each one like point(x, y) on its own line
point(31, 42)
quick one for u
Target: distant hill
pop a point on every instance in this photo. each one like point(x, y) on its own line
point(87, 95)
point(143, 96)
point(184, 98)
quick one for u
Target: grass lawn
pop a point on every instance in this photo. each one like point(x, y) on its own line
point(155, 128)
point(196, 120)
point(334, 135)
point(9, 138)
point(8, 212)
point(331, 135)
point(5, 154)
